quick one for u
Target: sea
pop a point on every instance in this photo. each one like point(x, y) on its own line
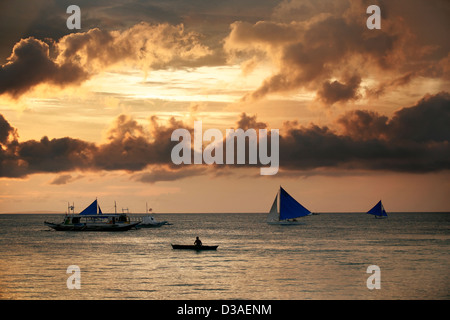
point(345, 256)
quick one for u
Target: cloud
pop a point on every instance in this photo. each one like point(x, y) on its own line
point(30, 64)
point(364, 125)
point(79, 56)
point(6, 131)
point(335, 91)
point(414, 139)
point(144, 45)
point(246, 122)
point(55, 155)
point(129, 147)
point(325, 47)
point(308, 55)
point(64, 179)
point(427, 121)
point(164, 173)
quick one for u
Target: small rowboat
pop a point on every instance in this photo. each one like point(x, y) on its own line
point(193, 247)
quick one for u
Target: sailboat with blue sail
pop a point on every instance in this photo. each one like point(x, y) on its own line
point(285, 210)
point(378, 211)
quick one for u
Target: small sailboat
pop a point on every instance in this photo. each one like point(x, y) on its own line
point(378, 211)
point(285, 210)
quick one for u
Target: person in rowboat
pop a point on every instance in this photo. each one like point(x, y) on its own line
point(197, 242)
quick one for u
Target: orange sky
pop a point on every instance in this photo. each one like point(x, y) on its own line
point(362, 114)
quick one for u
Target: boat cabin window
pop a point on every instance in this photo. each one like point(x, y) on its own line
point(76, 220)
point(122, 218)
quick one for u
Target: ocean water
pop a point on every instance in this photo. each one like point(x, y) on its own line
point(327, 258)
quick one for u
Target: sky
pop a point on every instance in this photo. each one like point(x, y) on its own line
point(362, 114)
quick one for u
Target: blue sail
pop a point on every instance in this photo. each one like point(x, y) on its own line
point(378, 210)
point(290, 208)
point(91, 209)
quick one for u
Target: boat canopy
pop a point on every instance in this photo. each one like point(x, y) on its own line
point(378, 210)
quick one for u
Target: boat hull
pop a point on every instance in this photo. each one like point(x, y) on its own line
point(152, 225)
point(193, 247)
point(90, 227)
point(143, 226)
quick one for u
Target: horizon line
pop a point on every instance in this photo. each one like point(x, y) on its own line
point(318, 212)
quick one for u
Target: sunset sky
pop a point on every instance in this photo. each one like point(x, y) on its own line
point(362, 114)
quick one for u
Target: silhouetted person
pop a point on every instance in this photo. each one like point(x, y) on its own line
point(197, 242)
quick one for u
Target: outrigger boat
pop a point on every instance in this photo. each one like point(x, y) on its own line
point(149, 221)
point(92, 220)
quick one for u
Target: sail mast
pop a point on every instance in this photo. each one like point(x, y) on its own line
point(279, 202)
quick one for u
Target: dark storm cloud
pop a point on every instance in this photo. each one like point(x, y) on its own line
point(364, 125)
point(142, 33)
point(30, 64)
point(335, 91)
point(6, 131)
point(129, 147)
point(55, 155)
point(309, 55)
point(78, 56)
point(315, 45)
point(427, 121)
point(415, 139)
